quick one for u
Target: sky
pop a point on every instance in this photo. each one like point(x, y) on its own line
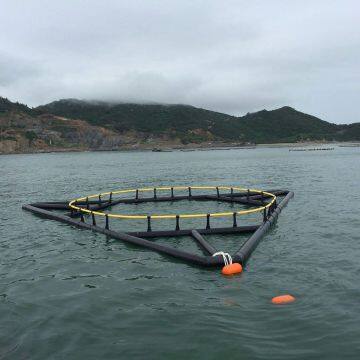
point(230, 56)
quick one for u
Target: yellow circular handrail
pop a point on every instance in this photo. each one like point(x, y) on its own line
point(171, 216)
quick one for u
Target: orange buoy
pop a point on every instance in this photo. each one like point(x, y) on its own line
point(231, 269)
point(283, 299)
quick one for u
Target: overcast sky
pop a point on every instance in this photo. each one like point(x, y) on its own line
point(230, 56)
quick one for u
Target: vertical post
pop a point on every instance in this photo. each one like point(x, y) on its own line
point(99, 199)
point(149, 223)
point(107, 222)
point(208, 221)
point(110, 198)
point(217, 192)
point(87, 202)
point(93, 219)
point(232, 193)
point(189, 192)
point(248, 195)
point(234, 220)
point(82, 217)
point(172, 192)
point(270, 210)
point(137, 194)
point(154, 193)
point(73, 211)
point(177, 227)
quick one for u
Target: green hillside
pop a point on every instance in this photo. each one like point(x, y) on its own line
point(6, 106)
point(192, 124)
point(187, 122)
point(285, 125)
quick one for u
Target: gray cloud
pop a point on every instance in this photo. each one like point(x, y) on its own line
point(234, 56)
point(15, 69)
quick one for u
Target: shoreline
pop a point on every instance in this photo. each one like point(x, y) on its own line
point(188, 148)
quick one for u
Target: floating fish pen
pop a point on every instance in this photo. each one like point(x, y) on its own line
point(313, 149)
point(93, 213)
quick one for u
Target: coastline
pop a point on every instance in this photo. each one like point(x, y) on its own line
point(186, 148)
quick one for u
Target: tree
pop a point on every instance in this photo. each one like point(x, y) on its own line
point(31, 136)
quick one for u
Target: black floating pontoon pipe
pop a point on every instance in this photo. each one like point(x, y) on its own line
point(204, 244)
point(63, 205)
point(192, 258)
point(185, 232)
point(249, 246)
point(240, 200)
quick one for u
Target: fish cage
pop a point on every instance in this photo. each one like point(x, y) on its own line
point(94, 212)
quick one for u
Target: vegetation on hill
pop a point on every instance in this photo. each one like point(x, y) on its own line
point(6, 106)
point(192, 124)
point(178, 121)
point(285, 125)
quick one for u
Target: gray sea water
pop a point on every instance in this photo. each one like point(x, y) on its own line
point(67, 293)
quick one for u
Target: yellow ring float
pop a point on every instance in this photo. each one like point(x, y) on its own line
point(73, 203)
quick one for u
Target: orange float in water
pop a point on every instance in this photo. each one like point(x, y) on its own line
point(283, 299)
point(231, 269)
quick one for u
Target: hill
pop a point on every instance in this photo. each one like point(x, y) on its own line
point(192, 124)
point(7, 106)
point(286, 125)
point(79, 125)
point(177, 121)
point(26, 130)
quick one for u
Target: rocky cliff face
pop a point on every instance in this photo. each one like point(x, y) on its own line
point(21, 132)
